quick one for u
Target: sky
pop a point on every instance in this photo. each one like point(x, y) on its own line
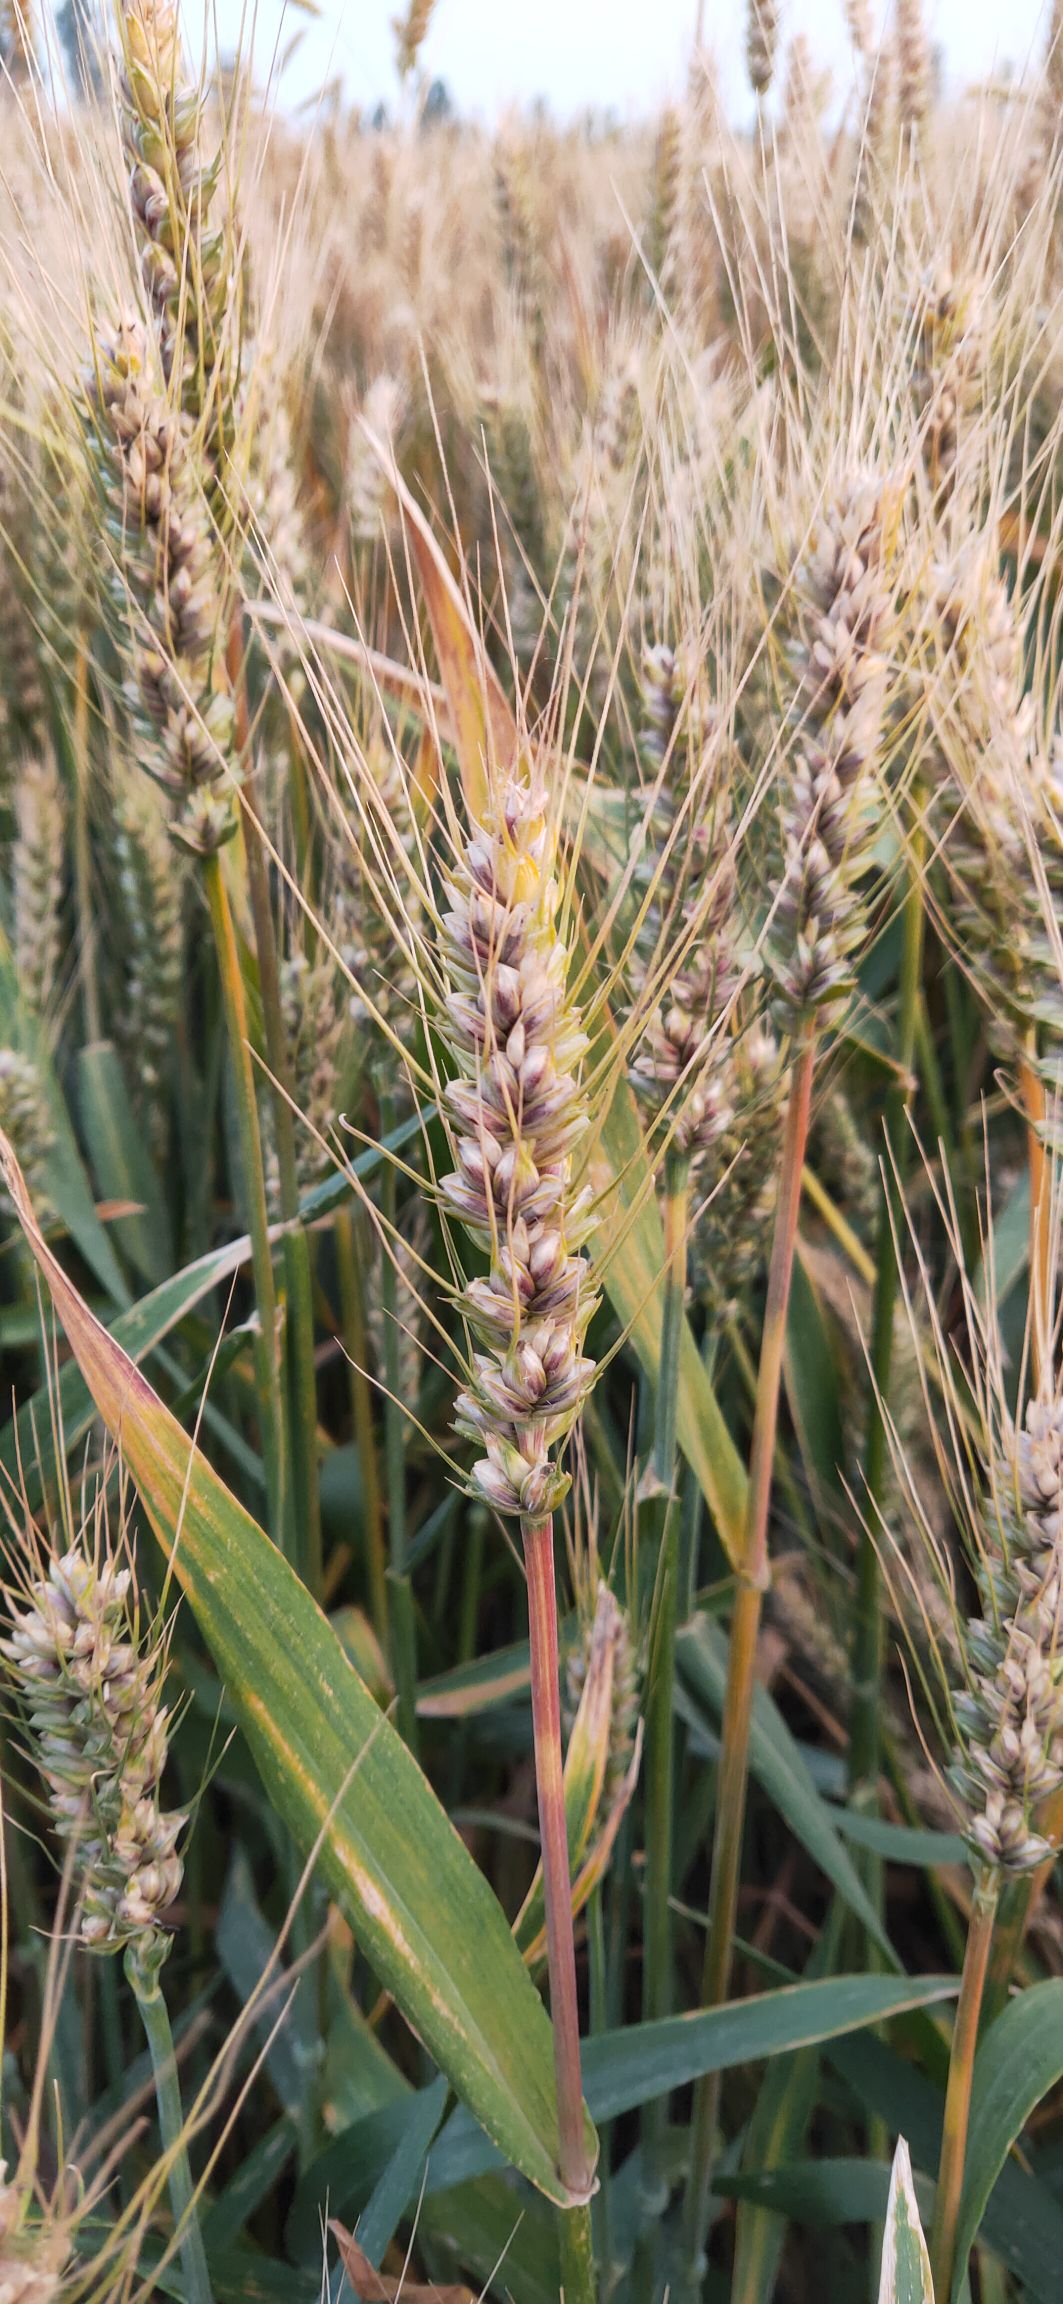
point(624, 55)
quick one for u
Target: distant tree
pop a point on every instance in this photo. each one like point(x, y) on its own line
point(78, 26)
point(438, 106)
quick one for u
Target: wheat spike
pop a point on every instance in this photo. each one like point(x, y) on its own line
point(91, 1688)
point(518, 1113)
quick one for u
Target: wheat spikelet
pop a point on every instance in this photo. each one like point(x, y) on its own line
point(91, 1688)
point(517, 1114)
point(677, 1070)
point(1053, 83)
point(804, 191)
point(165, 589)
point(665, 185)
point(407, 1249)
point(34, 2249)
point(762, 42)
point(913, 62)
point(38, 863)
point(520, 234)
point(872, 149)
point(996, 788)
point(610, 1622)
point(187, 267)
point(314, 1028)
point(23, 693)
point(367, 488)
point(410, 33)
point(802, 1617)
point(152, 881)
point(845, 1160)
point(1010, 1713)
point(949, 336)
point(25, 1121)
point(805, 94)
point(378, 951)
point(732, 1229)
point(703, 124)
point(860, 27)
point(376, 215)
point(508, 428)
point(837, 621)
point(275, 517)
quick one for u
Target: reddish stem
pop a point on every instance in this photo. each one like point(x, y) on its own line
point(573, 2164)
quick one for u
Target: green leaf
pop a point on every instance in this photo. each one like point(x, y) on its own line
point(776, 1763)
point(901, 1843)
point(121, 1162)
point(1019, 2060)
point(832, 2191)
point(29, 1442)
point(507, 2241)
point(778, 2128)
point(346, 2173)
point(1022, 2224)
point(246, 1945)
point(336, 1771)
point(401, 2179)
point(905, 2277)
point(780, 2120)
point(812, 1390)
point(62, 1173)
point(622, 2070)
point(1011, 1243)
point(256, 2179)
point(244, 2276)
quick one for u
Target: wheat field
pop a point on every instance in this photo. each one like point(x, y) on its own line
point(531, 1069)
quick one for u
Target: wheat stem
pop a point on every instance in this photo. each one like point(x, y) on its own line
point(306, 1498)
point(676, 1214)
point(267, 1363)
point(598, 1967)
point(578, 2284)
point(869, 1624)
point(1042, 1247)
point(573, 2164)
point(351, 1270)
point(143, 1961)
point(741, 1668)
point(961, 2076)
point(660, 1684)
point(769, 1376)
point(403, 1632)
point(87, 926)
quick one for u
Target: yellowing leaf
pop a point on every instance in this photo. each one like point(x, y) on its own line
point(335, 1769)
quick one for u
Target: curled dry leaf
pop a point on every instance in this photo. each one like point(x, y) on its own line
point(373, 2287)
